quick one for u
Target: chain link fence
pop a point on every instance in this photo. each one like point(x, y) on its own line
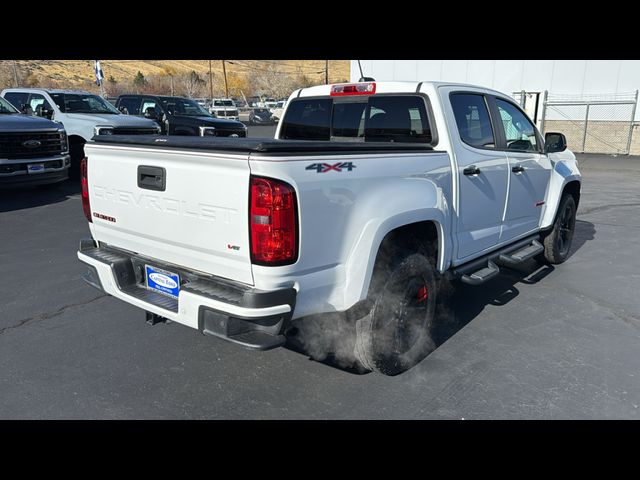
point(530, 102)
point(593, 123)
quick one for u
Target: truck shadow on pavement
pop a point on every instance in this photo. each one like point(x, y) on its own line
point(329, 338)
point(584, 232)
point(28, 197)
point(459, 303)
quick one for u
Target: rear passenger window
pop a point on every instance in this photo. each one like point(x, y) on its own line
point(388, 118)
point(308, 120)
point(59, 100)
point(397, 119)
point(472, 118)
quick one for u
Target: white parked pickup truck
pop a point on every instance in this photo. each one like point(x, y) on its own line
point(368, 195)
point(83, 115)
point(224, 108)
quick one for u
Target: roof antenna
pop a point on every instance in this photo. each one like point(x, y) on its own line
point(362, 77)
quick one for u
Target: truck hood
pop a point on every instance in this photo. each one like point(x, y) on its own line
point(113, 119)
point(17, 122)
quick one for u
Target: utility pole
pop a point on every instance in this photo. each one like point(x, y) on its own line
point(326, 72)
point(210, 81)
point(15, 74)
point(226, 86)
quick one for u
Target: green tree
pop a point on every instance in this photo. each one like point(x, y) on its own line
point(139, 81)
point(112, 86)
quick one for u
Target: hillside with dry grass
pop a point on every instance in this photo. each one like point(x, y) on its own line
point(191, 77)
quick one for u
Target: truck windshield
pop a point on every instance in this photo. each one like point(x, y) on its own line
point(6, 107)
point(223, 103)
point(388, 118)
point(82, 103)
point(183, 106)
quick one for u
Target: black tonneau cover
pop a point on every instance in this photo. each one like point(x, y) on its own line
point(260, 145)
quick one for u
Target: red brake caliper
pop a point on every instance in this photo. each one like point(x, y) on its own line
point(422, 294)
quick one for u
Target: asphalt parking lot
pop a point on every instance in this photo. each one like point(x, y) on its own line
point(542, 342)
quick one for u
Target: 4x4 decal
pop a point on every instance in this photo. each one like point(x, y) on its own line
point(327, 167)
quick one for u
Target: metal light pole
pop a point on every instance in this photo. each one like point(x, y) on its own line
point(210, 81)
point(586, 124)
point(326, 72)
point(226, 86)
point(15, 73)
point(633, 118)
point(544, 111)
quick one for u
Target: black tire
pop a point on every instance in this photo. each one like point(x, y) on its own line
point(76, 152)
point(397, 333)
point(557, 243)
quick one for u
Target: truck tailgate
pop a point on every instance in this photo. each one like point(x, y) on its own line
point(199, 221)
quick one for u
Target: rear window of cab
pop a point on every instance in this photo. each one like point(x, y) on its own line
point(376, 118)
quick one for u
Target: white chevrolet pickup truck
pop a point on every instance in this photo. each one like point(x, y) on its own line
point(369, 194)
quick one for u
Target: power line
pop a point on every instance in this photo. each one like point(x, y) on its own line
point(256, 69)
point(291, 64)
point(310, 69)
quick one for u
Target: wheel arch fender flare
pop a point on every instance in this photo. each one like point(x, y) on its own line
point(417, 204)
point(558, 184)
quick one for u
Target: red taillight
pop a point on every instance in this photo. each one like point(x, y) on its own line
point(84, 183)
point(272, 221)
point(353, 89)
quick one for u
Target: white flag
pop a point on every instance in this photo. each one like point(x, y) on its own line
point(99, 75)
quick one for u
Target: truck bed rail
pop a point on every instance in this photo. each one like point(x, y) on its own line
point(260, 145)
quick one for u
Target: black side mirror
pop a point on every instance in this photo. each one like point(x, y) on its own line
point(44, 112)
point(554, 142)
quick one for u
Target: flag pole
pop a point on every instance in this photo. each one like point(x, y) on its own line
point(97, 67)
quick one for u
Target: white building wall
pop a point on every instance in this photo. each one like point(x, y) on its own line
point(575, 77)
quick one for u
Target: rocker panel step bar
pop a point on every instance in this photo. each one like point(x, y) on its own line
point(480, 270)
point(482, 275)
point(523, 254)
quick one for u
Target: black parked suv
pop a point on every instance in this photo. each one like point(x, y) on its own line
point(179, 116)
point(33, 151)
